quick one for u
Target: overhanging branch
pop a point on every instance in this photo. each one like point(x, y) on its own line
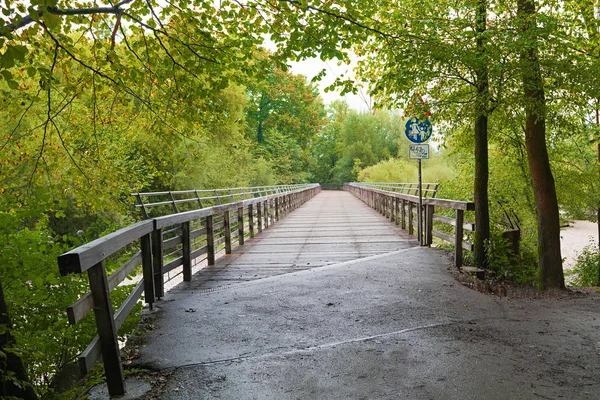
point(27, 20)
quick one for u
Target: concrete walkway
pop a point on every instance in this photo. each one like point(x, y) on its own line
point(388, 326)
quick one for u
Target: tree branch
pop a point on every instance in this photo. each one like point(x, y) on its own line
point(27, 20)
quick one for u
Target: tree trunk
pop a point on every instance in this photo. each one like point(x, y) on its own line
point(259, 135)
point(19, 386)
point(482, 214)
point(598, 211)
point(544, 191)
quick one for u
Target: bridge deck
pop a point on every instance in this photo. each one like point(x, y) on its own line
point(332, 227)
point(386, 326)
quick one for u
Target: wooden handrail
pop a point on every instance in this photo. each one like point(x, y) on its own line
point(396, 206)
point(200, 198)
point(91, 258)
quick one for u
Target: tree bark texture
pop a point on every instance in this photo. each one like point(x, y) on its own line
point(482, 213)
point(544, 190)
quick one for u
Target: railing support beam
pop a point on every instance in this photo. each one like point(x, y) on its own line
point(107, 330)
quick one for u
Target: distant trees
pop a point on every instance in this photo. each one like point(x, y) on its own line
point(354, 140)
point(284, 116)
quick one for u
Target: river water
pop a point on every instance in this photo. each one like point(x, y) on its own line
point(574, 238)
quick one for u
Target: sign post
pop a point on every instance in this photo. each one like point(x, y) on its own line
point(418, 132)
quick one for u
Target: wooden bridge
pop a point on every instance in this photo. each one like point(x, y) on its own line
point(257, 234)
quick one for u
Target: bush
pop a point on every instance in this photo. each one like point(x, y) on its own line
point(586, 267)
point(507, 265)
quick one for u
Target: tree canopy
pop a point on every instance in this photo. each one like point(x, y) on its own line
point(101, 99)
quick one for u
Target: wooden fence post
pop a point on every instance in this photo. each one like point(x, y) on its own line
point(429, 224)
point(187, 251)
point(107, 330)
point(397, 206)
point(227, 231)
point(411, 229)
point(210, 241)
point(266, 211)
point(146, 248)
point(259, 216)
point(157, 263)
point(241, 226)
point(251, 219)
point(403, 215)
point(458, 238)
point(276, 208)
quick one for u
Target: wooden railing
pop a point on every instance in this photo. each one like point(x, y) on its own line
point(428, 189)
point(165, 243)
point(399, 206)
point(153, 204)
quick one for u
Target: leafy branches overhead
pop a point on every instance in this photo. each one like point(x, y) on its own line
point(202, 47)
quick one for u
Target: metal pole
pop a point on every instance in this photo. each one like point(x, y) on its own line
point(420, 210)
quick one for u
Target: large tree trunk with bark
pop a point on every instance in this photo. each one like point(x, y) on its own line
point(544, 191)
point(10, 364)
point(482, 214)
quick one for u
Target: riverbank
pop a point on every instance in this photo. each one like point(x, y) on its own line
point(574, 238)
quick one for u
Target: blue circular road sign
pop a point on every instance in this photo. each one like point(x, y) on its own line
point(417, 130)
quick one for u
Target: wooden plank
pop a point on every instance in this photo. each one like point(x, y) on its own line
point(186, 251)
point(148, 274)
point(320, 233)
point(429, 210)
point(157, 263)
point(90, 356)
point(241, 226)
point(176, 219)
point(411, 228)
point(171, 242)
point(197, 232)
point(259, 217)
point(84, 257)
point(453, 204)
point(218, 225)
point(468, 226)
point(171, 265)
point(92, 353)
point(403, 214)
point(131, 300)
point(458, 239)
point(227, 231)
point(266, 212)
point(198, 252)
point(81, 307)
point(210, 241)
point(105, 325)
point(251, 220)
point(443, 236)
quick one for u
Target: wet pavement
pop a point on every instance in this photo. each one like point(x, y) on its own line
point(389, 326)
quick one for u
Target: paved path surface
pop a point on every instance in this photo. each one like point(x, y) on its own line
point(388, 326)
point(332, 227)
